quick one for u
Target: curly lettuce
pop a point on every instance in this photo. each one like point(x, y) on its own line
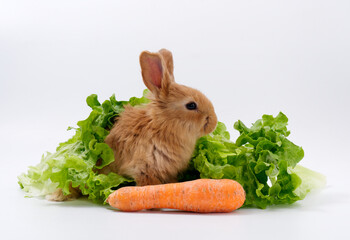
point(261, 159)
point(77, 160)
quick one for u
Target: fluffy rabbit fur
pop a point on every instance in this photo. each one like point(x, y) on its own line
point(154, 142)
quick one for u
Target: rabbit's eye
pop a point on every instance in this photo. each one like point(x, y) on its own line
point(191, 106)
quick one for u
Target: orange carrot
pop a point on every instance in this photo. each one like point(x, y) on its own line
point(202, 195)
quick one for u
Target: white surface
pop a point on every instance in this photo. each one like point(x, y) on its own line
point(249, 57)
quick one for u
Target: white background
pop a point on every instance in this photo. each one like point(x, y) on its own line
point(248, 57)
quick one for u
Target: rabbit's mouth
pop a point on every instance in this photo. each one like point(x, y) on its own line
point(206, 123)
point(210, 124)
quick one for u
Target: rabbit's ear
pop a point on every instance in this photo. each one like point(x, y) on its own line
point(154, 72)
point(168, 59)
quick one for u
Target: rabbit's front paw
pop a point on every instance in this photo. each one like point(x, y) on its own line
point(59, 196)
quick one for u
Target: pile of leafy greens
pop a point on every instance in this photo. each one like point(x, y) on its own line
point(262, 159)
point(77, 160)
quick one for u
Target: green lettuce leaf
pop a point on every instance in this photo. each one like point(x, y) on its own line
point(262, 160)
point(310, 180)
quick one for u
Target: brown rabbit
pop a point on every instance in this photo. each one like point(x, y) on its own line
point(153, 143)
